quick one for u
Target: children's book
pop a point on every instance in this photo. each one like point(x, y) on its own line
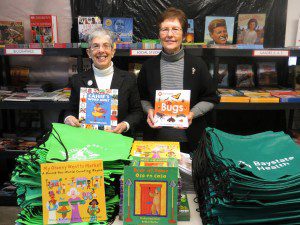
point(122, 28)
point(73, 192)
point(11, 32)
point(218, 30)
point(222, 75)
point(150, 195)
point(244, 76)
point(251, 29)
point(98, 108)
point(86, 24)
point(266, 74)
point(190, 31)
point(43, 29)
point(172, 108)
point(156, 149)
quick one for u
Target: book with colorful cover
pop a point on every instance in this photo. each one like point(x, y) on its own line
point(154, 162)
point(251, 29)
point(230, 95)
point(122, 28)
point(11, 32)
point(222, 75)
point(150, 195)
point(86, 24)
point(156, 149)
point(218, 30)
point(73, 192)
point(244, 76)
point(267, 74)
point(98, 108)
point(172, 108)
point(43, 29)
point(190, 36)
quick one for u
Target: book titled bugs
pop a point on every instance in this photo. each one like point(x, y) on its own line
point(172, 108)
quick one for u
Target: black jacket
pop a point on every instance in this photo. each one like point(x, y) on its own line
point(129, 106)
point(196, 78)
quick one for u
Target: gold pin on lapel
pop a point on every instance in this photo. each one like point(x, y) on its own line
point(193, 70)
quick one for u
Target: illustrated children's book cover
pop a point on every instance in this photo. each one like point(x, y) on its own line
point(150, 195)
point(172, 108)
point(190, 31)
point(251, 29)
point(86, 24)
point(156, 149)
point(218, 30)
point(122, 28)
point(98, 108)
point(73, 192)
point(43, 29)
point(11, 32)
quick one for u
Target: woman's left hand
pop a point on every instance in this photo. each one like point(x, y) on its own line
point(120, 128)
point(190, 117)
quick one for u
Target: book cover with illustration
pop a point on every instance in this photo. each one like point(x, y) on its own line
point(98, 108)
point(156, 149)
point(190, 36)
point(11, 32)
point(244, 76)
point(43, 29)
point(150, 195)
point(86, 24)
point(122, 28)
point(218, 30)
point(73, 192)
point(172, 108)
point(154, 162)
point(267, 74)
point(251, 29)
point(222, 75)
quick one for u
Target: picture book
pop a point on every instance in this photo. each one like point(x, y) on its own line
point(218, 30)
point(244, 76)
point(43, 29)
point(156, 149)
point(73, 192)
point(154, 162)
point(122, 28)
point(222, 75)
point(150, 195)
point(230, 95)
point(251, 28)
point(86, 24)
point(266, 74)
point(11, 32)
point(190, 36)
point(172, 108)
point(98, 108)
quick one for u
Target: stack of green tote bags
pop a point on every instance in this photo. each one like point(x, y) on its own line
point(66, 143)
point(252, 179)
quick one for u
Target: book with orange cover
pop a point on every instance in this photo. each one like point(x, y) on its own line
point(172, 108)
point(156, 149)
point(73, 192)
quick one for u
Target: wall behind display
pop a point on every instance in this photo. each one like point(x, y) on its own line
point(145, 14)
point(292, 18)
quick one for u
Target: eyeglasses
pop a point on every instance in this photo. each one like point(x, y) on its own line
point(174, 30)
point(105, 46)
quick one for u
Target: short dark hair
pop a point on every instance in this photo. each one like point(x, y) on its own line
point(251, 21)
point(174, 13)
point(216, 23)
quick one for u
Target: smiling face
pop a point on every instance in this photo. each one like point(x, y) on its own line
point(219, 35)
point(171, 35)
point(101, 52)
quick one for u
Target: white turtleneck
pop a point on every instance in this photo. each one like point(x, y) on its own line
point(104, 77)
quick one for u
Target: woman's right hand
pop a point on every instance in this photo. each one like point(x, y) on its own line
point(150, 119)
point(72, 121)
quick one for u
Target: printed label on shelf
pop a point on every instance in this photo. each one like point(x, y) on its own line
point(144, 52)
point(276, 53)
point(23, 51)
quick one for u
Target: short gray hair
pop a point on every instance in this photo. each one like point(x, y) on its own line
point(100, 32)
